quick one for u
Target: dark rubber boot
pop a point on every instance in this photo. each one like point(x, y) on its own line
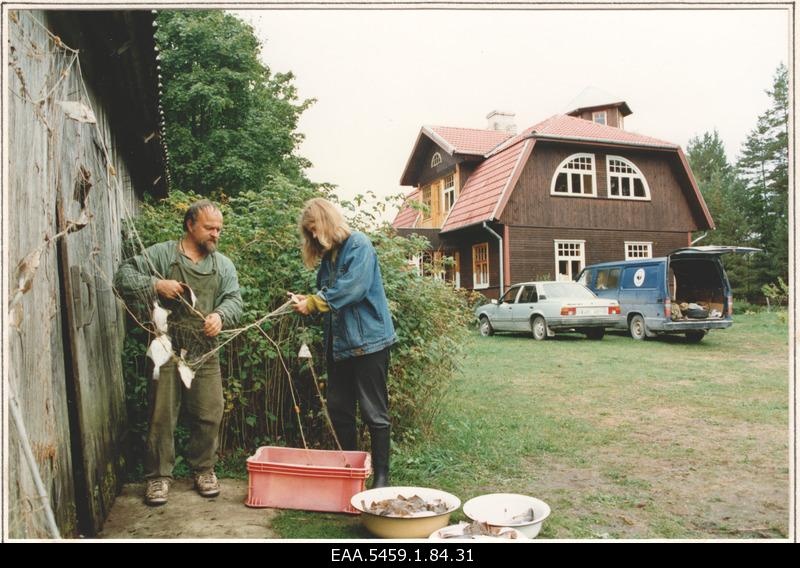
point(380, 456)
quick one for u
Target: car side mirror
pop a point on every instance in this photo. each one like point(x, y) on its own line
point(495, 302)
point(542, 297)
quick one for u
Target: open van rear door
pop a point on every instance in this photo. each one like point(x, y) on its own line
point(716, 250)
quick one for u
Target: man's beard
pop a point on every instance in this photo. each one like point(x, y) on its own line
point(209, 246)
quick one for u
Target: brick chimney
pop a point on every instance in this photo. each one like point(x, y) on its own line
point(502, 121)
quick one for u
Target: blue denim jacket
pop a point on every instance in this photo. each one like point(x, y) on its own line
point(353, 288)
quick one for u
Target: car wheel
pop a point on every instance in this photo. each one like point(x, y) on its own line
point(485, 327)
point(695, 336)
point(595, 333)
point(539, 328)
point(637, 328)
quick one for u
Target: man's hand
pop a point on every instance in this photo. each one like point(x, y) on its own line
point(212, 325)
point(169, 289)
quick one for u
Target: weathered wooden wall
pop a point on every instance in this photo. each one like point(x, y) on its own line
point(532, 249)
point(65, 350)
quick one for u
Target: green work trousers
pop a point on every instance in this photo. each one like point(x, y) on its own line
point(204, 405)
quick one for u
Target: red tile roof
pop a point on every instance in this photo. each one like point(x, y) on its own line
point(407, 217)
point(468, 140)
point(563, 127)
point(486, 186)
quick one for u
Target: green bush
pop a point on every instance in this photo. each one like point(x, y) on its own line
point(260, 236)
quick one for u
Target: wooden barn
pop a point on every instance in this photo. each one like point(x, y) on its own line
point(572, 190)
point(83, 129)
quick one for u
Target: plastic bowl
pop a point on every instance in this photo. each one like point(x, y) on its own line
point(500, 510)
point(455, 532)
point(418, 526)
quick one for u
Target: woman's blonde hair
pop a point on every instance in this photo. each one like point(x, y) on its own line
point(320, 216)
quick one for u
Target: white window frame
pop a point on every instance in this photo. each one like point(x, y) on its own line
point(581, 257)
point(427, 213)
point(436, 159)
point(563, 168)
point(633, 247)
point(480, 284)
point(637, 173)
point(448, 191)
point(597, 114)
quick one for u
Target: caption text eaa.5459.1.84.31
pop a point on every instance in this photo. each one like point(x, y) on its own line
point(401, 554)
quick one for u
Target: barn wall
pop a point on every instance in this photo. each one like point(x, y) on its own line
point(46, 152)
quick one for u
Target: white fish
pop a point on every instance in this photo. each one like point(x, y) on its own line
point(305, 352)
point(192, 298)
point(186, 373)
point(159, 351)
point(160, 317)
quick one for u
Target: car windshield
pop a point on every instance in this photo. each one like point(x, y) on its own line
point(571, 290)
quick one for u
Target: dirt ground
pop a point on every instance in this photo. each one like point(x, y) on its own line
point(187, 515)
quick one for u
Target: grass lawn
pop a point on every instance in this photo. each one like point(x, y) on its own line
point(624, 439)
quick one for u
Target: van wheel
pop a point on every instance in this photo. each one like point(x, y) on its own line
point(637, 328)
point(539, 328)
point(485, 327)
point(695, 336)
point(595, 333)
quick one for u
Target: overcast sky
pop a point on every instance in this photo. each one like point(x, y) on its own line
point(379, 75)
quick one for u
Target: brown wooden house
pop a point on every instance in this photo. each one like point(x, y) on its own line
point(572, 190)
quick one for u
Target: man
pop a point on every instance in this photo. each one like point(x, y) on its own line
point(167, 271)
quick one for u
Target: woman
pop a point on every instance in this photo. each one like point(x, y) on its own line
point(357, 324)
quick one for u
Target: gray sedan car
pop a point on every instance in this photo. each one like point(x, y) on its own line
point(543, 308)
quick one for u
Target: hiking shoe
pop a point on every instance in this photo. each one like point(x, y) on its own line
point(207, 484)
point(156, 492)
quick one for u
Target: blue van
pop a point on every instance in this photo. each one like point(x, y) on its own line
point(685, 292)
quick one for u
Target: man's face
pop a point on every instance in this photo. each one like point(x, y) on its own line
point(205, 231)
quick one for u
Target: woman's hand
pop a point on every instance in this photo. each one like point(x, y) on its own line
point(301, 306)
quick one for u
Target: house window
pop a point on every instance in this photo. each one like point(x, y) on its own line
point(570, 258)
point(599, 117)
point(436, 159)
point(448, 193)
point(426, 201)
point(452, 269)
point(638, 250)
point(625, 181)
point(437, 266)
point(575, 176)
point(480, 266)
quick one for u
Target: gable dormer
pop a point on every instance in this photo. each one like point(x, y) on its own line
point(600, 107)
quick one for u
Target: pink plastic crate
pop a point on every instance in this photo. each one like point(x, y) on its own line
point(311, 480)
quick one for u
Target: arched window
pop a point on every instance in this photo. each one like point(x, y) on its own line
point(575, 177)
point(625, 181)
point(436, 159)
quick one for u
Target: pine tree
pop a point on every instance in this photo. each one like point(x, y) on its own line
point(764, 169)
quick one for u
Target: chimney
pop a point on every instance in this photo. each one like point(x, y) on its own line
point(502, 121)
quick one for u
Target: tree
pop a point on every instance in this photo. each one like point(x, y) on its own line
point(230, 123)
point(725, 196)
point(764, 169)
